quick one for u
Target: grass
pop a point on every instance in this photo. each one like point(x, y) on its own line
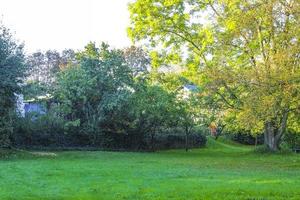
point(222, 170)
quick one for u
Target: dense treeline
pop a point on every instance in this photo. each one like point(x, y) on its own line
point(101, 101)
point(237, 72)
point(99, 98)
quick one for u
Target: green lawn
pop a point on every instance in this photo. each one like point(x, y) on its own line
point(220, 171)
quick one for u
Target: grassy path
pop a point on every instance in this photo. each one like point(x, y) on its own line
point(222, 170)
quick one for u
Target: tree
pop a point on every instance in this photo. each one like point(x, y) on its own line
point(138, 60)
point(11, 76)
point(100, 96)
point(189, 113)
point(37, 71)
point(44, 67)
point(186, 106)
point(153, 109)
point(94, 91)
point(68, 57)
point(244, 53)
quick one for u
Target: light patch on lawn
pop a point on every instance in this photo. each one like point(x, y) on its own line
point(44, 154)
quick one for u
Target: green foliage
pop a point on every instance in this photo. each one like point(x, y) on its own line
point(246, 138)
point(244, 54)
point(292, 139)
point(38, 130)
point(103, 98)
point(176, 138)
point(153, 106)
point(33, 89)
point(93, 91)
point(11, 74)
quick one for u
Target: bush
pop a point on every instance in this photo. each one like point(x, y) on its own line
point(246, 138)
point(175, 138)
point(48, 131)
point(38, 130)
point(174, 141)
point(292, 139)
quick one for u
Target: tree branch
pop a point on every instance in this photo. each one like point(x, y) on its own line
point(283, 124)
point(189, 41)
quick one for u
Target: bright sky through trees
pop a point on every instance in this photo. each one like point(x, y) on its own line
point(60, 24)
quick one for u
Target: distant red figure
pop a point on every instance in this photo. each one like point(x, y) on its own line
point(213, 129)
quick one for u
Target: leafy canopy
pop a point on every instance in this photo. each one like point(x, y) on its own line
point(245, 54)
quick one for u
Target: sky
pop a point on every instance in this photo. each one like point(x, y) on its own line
point(61, 24)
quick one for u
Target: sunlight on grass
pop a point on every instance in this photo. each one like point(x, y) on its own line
point(222, 170)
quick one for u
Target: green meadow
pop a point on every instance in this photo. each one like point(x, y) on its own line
point(221, 170)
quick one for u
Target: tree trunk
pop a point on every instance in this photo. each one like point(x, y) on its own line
point(255, 141)
point(152, 142)
point(270, 133)
point(186, 139)
point(152, 139)
point(273, 134)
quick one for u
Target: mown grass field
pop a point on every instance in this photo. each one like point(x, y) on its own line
point(220, 171)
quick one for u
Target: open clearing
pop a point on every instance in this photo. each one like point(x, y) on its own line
point(222, 170)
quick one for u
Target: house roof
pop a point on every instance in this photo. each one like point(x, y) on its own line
point(192, 88)
point(39, 98)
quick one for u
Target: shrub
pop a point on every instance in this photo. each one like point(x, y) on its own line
point(175, 138)
point(49, 131)
point(38, 130)
point(292, 139)
point(6, 129)
point(246, 138)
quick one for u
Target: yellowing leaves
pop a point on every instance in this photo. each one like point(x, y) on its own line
point(230, 25)
point(169, 3)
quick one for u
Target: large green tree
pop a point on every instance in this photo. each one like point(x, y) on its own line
point(94, 92)
point(11, 76)
point(244, 53)
point(153, 108)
